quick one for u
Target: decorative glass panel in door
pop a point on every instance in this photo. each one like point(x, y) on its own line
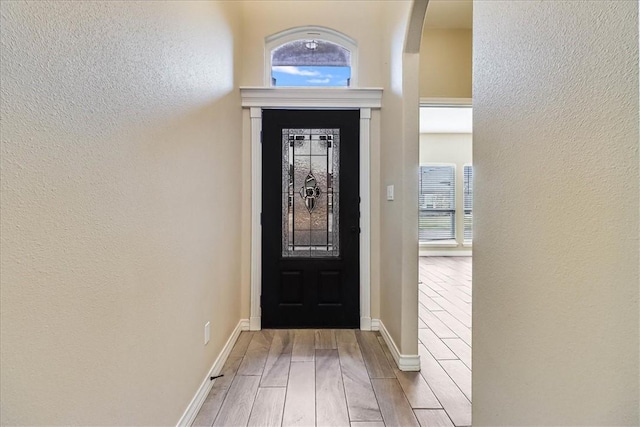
point(310, 193)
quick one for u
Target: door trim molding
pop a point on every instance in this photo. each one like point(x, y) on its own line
point(311, 98)
point(364, 99)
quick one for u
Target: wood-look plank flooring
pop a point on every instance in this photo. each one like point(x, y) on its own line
point(445, 338)
point(348, 377)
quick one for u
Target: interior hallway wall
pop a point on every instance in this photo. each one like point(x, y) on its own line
point(121, 183)
point(555, 274)
point(445, 63)
point(268, 17)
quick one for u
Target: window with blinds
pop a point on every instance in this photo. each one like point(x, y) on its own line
point(437, 218)
point(468, 202)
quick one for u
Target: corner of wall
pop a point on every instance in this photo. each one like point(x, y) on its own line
point(405, 362)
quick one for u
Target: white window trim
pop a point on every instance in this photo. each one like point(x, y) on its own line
point(450, 243)
point(310, 32)
point(363, 99)
point(466, 243)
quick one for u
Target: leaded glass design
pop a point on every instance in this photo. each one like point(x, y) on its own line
point(310, 193)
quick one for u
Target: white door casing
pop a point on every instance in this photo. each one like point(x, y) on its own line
point(364, 99)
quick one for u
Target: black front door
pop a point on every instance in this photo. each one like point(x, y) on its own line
point(310, 219)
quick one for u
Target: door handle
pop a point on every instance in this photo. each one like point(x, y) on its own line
point(355, 229)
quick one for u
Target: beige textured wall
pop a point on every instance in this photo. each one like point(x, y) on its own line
point(121, 188)
point(263, 18)
point(445, 63)
point(556, 283)
point(456, 149)
point(399, 154)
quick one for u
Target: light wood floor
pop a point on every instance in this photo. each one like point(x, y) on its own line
point(348, 377)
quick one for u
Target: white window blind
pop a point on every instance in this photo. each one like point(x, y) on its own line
point(468, 202)
point(437, 219)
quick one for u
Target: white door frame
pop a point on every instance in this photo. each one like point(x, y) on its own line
point(364, 99)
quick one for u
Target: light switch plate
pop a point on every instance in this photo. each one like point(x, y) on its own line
point(207, 332)
point(389, 192)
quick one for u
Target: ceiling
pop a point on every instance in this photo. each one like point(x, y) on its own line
point(449, 14)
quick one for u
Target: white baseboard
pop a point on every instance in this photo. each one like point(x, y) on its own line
point(192, 410)
point(443, 252)
point(405, 362)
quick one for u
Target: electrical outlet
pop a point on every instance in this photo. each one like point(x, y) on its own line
point(207, 332)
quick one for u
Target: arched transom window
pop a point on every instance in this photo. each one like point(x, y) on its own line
point(310, 56)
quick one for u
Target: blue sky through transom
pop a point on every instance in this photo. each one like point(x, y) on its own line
point(310, 76)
